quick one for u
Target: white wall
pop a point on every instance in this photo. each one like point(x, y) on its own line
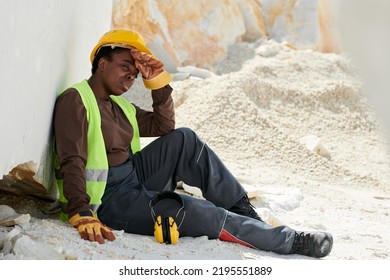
point(44, 47)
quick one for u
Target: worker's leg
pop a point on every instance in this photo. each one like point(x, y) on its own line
point(126, 206)
point(182, 156)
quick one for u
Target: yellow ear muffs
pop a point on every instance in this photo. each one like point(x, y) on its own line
point(165, 230)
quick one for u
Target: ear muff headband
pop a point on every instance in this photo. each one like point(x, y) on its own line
point(166, 194)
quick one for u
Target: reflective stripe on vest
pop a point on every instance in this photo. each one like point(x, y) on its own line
point(97, 163)
point(93, 175)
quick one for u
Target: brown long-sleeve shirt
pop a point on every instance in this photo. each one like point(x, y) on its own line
point(71, 127)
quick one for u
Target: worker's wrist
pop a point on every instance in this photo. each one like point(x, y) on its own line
point(159, 81)
point(86, 213)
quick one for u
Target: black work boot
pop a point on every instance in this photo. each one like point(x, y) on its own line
point(245, 208)
point(312, 244)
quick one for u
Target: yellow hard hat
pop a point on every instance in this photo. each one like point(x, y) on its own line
point(121, 38)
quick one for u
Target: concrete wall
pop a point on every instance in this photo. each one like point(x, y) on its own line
point(44, 47)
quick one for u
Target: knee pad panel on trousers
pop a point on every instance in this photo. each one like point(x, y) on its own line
point(203, 218)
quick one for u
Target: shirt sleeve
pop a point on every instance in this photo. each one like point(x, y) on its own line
point(162, 120)
point(70, 130)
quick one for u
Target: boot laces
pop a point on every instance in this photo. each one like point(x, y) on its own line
point(302, 243)
point(245, 207)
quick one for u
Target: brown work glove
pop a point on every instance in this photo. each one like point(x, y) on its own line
point(90, 228)
point(151, 69)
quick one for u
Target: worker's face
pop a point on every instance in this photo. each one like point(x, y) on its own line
point(118, 74)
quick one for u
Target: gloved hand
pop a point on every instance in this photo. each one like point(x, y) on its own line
point(151, 69)
point(90, 228)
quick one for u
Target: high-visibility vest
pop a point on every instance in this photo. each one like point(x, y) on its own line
point(97, 163)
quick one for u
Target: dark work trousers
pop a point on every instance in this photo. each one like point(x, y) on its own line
point(182, 156)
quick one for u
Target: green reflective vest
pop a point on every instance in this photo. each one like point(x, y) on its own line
point(97, 163)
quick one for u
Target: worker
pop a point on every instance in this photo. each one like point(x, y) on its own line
point(107, 181)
